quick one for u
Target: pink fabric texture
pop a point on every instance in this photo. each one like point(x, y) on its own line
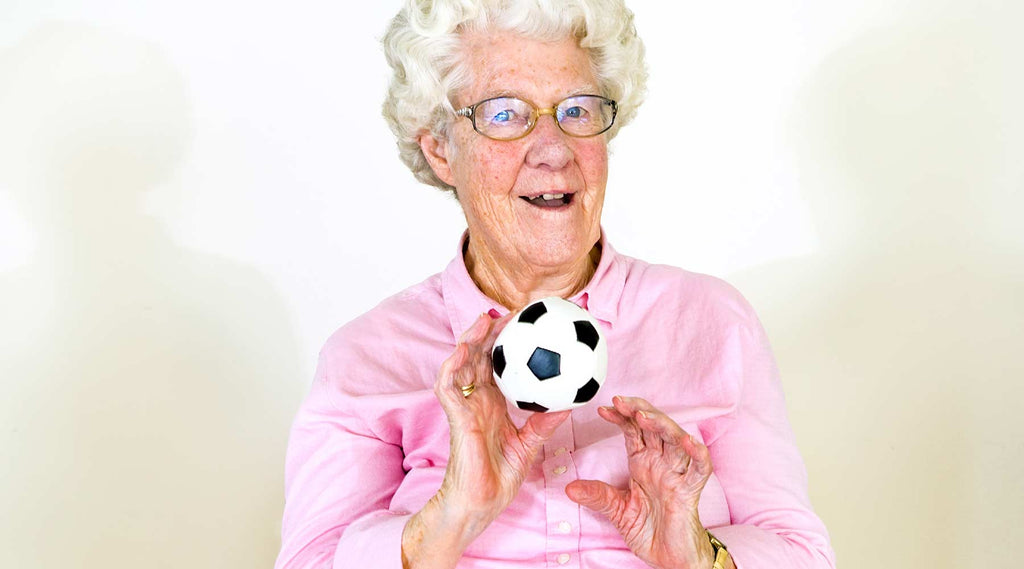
point(370, 443)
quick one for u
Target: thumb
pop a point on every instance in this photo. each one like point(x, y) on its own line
point(595, 495)
point(540, 426)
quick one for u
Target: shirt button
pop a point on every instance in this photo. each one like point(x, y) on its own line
point(560, 450)
point(563, 558)
point(564, 527)
point(560, 470)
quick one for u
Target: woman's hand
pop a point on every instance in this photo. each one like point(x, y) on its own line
point(489, 457)
point(657, 512)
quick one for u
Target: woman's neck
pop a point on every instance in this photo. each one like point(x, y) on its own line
point(515, 286)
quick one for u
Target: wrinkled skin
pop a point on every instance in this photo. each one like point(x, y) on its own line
point(657, 512)
point(519, 252)
point(489, 456)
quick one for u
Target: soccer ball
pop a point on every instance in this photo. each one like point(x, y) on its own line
point(551, 356)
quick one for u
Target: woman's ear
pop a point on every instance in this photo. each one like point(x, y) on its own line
point(436, 152)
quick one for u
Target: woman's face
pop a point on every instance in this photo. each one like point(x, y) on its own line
point(495, 179)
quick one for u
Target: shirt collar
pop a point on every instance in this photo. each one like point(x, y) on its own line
point(465, 302)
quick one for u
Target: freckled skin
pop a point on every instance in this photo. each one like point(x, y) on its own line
point(519, 252)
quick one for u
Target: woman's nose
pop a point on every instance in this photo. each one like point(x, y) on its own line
point(549, 146)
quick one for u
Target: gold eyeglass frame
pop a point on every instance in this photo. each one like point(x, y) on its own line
point(470, 113)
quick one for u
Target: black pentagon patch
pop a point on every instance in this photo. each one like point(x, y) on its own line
point(545, 364)
point(586, 333)
point(533, 312)
point(498, 360)
point(587, 392)
point(531, 407)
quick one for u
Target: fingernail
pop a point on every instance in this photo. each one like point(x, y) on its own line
point(642, 414)
point(494, 313)
point(481, 321)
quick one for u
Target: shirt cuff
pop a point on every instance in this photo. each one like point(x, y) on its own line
point(375, 540)
point(752, 547)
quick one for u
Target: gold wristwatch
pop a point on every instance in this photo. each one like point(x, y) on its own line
point(721, 554)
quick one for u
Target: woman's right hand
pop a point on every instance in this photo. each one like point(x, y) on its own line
point(489, 456)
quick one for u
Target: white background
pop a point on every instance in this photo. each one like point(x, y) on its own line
point(193, 195)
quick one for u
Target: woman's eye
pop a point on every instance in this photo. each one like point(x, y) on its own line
point(503, 116)
point(574, 112)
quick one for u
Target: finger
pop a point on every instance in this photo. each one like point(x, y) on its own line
point(490, 328)
point(477, 331)
point(539, 427)
point(499, 325)
point(597, 496)
point(700, 463)
point(611, 415)
point(657, 424)
point(446, 387)
point(628, 406)
point(449, 367)
point(651, 437)
point(669, 439)
point(478, 364)
point(485, 369)
point(630, 430)
point(634, 408)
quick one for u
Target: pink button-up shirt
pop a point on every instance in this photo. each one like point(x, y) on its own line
point(370, 443)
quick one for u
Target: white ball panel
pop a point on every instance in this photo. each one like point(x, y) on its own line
point(555, 331)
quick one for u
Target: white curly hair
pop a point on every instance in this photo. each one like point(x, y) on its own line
point(422, 46)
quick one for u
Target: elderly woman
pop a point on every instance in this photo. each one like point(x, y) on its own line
point(405, 453)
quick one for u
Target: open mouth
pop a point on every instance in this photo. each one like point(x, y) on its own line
point(550, 200)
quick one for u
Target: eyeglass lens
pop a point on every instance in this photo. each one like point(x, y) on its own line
point(508, 117)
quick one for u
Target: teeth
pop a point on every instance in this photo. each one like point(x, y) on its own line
point(553, 196)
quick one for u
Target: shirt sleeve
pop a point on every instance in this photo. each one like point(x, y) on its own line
point(754, 456)
point(339, 481)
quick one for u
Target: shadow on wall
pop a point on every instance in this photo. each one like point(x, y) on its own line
point(146, 390)
point(900, 340)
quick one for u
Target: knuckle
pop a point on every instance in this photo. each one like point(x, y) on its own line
point(702, 451)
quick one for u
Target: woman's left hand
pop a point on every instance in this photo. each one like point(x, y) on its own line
point(657, 512)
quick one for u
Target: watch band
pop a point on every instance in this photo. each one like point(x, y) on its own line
point(721, 553)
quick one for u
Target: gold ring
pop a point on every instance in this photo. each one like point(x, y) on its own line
point(467, 389)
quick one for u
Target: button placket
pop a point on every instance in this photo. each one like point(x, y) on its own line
point(563, 515)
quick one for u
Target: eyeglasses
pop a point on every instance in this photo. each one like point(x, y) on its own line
point(509, 118)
